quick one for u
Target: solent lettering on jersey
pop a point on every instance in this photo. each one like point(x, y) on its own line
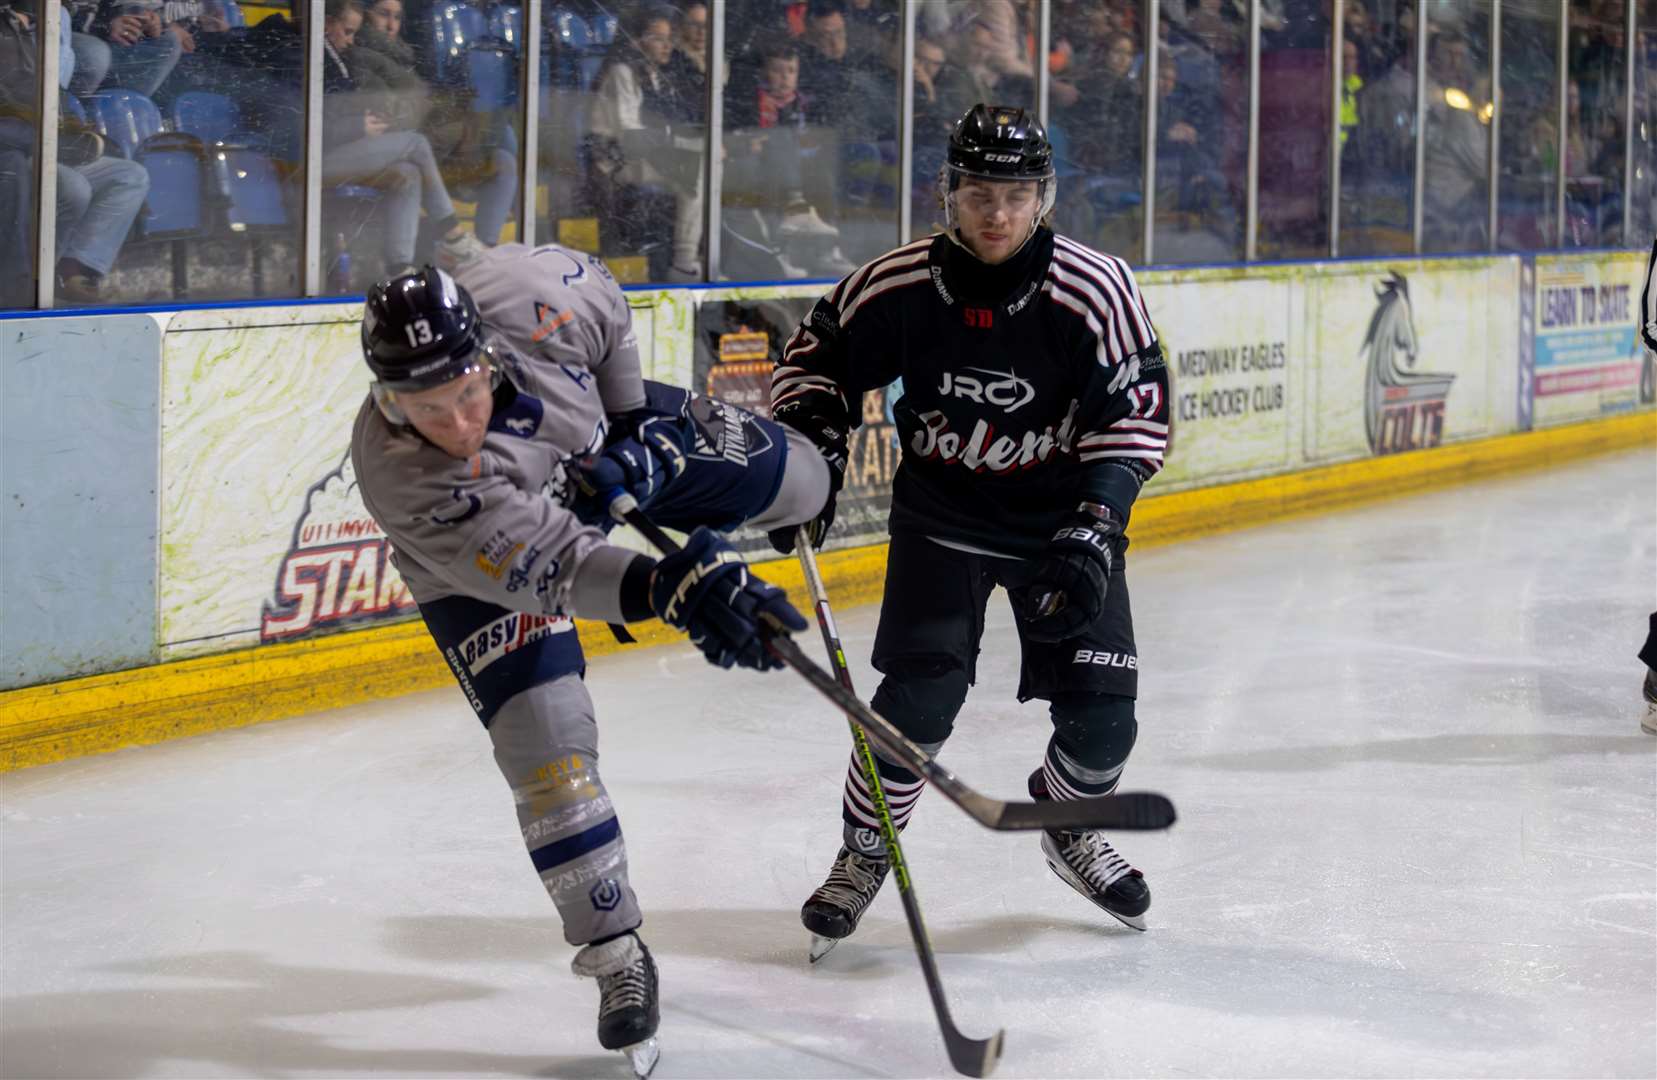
point(984, 451)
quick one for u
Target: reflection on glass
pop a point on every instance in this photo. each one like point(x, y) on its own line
point(1294, 130)
point(1377, 144)
point(1456, 158)
point(1596, 111)
point(1096, 103)
point(810, 139)
point(1526, 199)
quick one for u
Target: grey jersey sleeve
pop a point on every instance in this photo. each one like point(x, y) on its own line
point(554, 304)
point(458, 527)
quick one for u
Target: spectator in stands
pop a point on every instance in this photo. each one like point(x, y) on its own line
point(476, 152)
point(360, 146)
point(92, 55)
point(871, 27)
point(142, 53)
point(1189, 179)
point(1359, 27)
point(767, 126)
point(847, 92)
point(687, 68)
point(638, 164)
point(1107, 129)
point(1457, 151)
point(992, 58)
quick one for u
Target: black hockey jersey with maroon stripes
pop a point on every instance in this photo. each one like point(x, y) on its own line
point(1027, 387)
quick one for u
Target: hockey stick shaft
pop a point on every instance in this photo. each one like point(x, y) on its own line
point(971, 1057)
point(1131, 810)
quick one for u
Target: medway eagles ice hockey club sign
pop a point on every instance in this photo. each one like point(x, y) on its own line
point(1403, 407)
point(337, 571)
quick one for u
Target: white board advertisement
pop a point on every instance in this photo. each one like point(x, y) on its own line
point(1235, 370)
point(264, 537)
point(1411, 354)
point(1589, 359)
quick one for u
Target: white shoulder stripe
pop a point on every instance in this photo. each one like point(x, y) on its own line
point(1089, 290)
point(1121, 275)
point(883, 285)
point(848, 288)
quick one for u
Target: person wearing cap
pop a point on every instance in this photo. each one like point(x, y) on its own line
point(1035, 405)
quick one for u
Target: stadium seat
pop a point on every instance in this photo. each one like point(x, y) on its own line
point(252, 190)
point(125, 118)
point(176, 205)
point(571, 40)
point(233, 14)
point(455, 27)
point(208, 116)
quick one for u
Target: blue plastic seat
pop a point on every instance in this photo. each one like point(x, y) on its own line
point(570, 43)
point(124, 117)
point(208, 116)
point(176, 206)
point(492, 73)
point(455, 27)
point(233, 14)
point(252, 189)
point(604, 26)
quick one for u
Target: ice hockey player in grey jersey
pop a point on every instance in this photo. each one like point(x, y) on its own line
point(463, 452)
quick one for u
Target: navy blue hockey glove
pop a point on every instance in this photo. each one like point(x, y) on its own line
point(641, 457)
point(706, 590)
point(1072, 576)
point(829, 435)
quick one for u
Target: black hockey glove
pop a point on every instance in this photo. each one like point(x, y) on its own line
point(706, 590)
point(643, 454)
point(828, 434)
point(1072, 576)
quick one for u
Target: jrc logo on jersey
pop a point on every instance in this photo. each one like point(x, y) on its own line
point(1107, 659)
point(999, 388)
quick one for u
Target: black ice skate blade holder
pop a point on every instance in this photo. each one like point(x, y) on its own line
point(1131, 810)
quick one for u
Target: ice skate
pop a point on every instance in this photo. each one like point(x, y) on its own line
point(1648, 722)
point(1086, 862)
point(628, 1012)
point(834, 909)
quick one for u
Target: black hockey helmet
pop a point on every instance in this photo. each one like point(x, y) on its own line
point(999, 143)
point(421, 330)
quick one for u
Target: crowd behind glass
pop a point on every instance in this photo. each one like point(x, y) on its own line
point(181, 142)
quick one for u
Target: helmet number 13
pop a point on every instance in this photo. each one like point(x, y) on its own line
point(419, 332)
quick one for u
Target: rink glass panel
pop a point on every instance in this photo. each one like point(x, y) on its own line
point(1295, 69)
point(1201, 143)
point(1527, 215)
point(1456, 156)
point(811, 114)
point(1378, 129)
point(1096, 119)
point(19, 137)
point(1595, 123)
point(434, 123)
point(1643, 194)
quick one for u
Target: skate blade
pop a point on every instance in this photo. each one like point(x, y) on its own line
point(821, 946)
point(1133, 922)
point(642, 1056)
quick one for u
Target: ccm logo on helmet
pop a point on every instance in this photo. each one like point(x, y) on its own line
point(1009, 158)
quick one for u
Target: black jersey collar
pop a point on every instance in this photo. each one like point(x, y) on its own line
point(965, 276)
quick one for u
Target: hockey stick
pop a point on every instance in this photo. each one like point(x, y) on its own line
point(971, 1057)
point(1133, 810)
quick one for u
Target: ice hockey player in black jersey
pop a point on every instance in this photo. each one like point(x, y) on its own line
point(1035, 405)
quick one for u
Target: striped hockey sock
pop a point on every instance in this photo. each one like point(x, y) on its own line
point(1068, 779)
point(857, 809)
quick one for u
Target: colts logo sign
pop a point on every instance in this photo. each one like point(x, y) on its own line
point(1403, 407)
point(338, 570)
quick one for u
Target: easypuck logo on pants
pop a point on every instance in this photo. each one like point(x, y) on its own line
point(1403, 407)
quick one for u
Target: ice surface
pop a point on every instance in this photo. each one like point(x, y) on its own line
point(1417, 838)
